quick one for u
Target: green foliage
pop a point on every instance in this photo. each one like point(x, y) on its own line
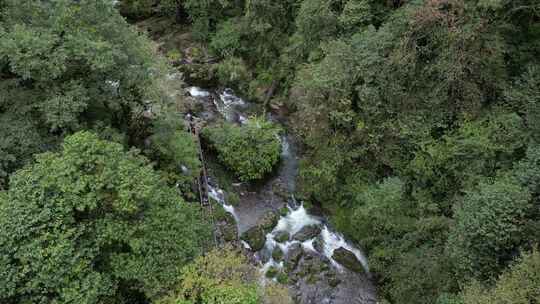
point(418, 123)
point(251, 151)
point(92, 224)
point(220, 277)
point(443, 167)
point(528, 170)
point(227, 41)
point(376, 203)
point(387, 224)
point(232, 72)
point(315, 22)
point(518, 285)
point(22, 139)
point(489, 226)
point(176, 151)
point(69, 65)
point(524, 95)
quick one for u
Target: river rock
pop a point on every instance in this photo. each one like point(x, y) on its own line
point(282, 236)
point(293, 256)
point(311, 268)
point(272, 272)
point(268, 221)
point(283, 211)
point(347, 259)
point(332, 278)
point(277, 253)
point(255, 237)
point(229, 232)
point(307, 233)
point(318, 244)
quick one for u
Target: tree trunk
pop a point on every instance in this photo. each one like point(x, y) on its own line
point(179, 12)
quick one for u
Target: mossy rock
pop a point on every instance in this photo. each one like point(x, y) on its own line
point(283, 211)
point(333, 282)
point(268, 221)
point(282, 278)
point(282, 236)
point(307, 233)
point(293, 257)
point(318, 244)
point(277, 254)
point(255, 237)
point(272, 272)
point(230, 232)
point(312, 279)
point(347, 259)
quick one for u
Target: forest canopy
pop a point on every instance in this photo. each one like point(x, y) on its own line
point(417, 121)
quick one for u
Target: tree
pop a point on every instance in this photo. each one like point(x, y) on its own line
point(251, 151)
point(100, 74)
point(380, 213)
point(176, 151)
point(524, 97)
point(93, 224)
point(221, 277)
point(490, 225)
point(517, 285)
point(69, 65)
point(23, 139)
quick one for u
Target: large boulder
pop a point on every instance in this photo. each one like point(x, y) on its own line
point(293, 256)
point(229, 232)
point(282, 236)
point(347, 259)
point(318, 244)
point(277, 254)
point(268, 221)
point(272, 272)
point(255, 237)
point(307, 233)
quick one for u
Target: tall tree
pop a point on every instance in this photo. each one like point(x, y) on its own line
point(93, 224)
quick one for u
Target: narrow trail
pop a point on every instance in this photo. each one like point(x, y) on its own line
point(202, 183)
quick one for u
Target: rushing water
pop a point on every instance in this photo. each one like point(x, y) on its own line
point(297, 217)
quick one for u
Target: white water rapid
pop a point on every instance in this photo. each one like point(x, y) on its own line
point(354, 288)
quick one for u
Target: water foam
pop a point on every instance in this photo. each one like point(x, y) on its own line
point(197, 92)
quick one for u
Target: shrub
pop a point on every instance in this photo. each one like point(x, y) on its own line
point(233, 72)
point(250, 151)
point(223, 276)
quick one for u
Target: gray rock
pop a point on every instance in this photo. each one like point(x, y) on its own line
point(268, 221)
point(282, 236)
point(293, 256)
point(318, 244)
point(307, 233)
point(277, 254)
point(347, 259)
point(272, 272)
point(255, 237)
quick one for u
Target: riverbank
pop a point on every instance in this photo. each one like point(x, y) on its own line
point(283, 239)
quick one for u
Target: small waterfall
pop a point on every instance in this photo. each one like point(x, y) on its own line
point(219, 196)
point(295, 220)
point(198, 92)
point(227, 106)
point(322, 245)
point(333, 241)
point(299, 218)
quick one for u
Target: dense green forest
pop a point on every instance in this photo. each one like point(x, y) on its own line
point(418, 122)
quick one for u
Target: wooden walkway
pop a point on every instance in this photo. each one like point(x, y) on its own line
point(202, 183)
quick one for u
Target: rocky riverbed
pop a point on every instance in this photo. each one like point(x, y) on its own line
point(290, 245)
